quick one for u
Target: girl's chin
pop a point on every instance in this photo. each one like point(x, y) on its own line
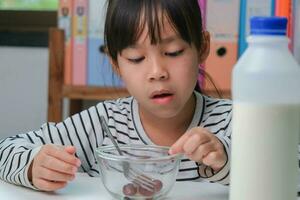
point(165, 113)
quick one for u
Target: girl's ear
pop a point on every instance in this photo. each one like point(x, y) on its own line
point(204, 51)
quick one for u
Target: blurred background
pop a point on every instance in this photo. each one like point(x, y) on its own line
point(24, 64)
point(88, 77)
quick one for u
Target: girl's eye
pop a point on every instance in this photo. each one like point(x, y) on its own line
point(175, 53)
point(136, 60)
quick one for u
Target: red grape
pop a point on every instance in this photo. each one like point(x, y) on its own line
point(129, 189)
point(157, 185)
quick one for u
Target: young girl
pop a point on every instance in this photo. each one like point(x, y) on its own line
point(156, 47)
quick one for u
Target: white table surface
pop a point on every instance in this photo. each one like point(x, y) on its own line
point(89, 188)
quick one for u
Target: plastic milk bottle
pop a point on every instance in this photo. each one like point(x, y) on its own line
point(266, 116)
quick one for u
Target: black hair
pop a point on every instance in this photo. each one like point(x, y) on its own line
point(123, 22)
point(126, 19)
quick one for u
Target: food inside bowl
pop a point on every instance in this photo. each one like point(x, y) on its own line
point(150, 162)
point(131, 189)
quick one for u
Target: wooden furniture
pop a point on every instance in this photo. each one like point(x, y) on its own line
point(57, 91)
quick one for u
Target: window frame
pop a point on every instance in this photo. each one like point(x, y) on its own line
point(26, 28)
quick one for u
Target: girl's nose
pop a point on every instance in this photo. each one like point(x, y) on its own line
point(158, 71)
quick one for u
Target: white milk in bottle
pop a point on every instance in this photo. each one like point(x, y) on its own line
point(266, 116)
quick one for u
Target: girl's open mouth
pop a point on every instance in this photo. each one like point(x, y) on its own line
point(162, 98)
point(161, 95)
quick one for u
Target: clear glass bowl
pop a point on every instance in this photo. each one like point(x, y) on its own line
point(151, 161)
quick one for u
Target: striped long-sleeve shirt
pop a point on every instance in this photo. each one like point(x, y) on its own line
point(83, 130)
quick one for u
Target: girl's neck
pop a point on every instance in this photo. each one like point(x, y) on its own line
point(165, 131)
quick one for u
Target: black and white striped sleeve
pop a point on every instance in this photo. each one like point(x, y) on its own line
point(222, 130)
point(81, 130)
point(223, 175)
point(15, 155)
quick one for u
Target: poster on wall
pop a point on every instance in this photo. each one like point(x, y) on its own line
point(28, 4)
point(29, 22)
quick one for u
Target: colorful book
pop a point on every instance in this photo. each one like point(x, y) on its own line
point(248, 9)
point(100, 71)
point(283, 8)
point(296, 14)
point(65, 13)
point(202, 4)
point(80, 11)
point(222, 21)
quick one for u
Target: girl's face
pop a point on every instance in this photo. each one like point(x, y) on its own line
point(162, 76)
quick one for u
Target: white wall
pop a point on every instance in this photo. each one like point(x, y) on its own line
point(23, 89)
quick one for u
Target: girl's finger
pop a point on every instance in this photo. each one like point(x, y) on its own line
point(52, 175)
point(201, 152)
point(177, 147)
point(193, 143)
point(61, 154)
point(215, 160)
point(58, 165)
point(204, 149)
point(48, 185)
point(70, 149)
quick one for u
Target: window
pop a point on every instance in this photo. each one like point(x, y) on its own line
point(26, 22)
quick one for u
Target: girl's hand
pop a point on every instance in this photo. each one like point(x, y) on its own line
point(53, 167)
point(199, 145)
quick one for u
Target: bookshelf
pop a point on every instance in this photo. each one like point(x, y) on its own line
point(57, 90)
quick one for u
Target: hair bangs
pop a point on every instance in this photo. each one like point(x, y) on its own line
point(124, 26)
